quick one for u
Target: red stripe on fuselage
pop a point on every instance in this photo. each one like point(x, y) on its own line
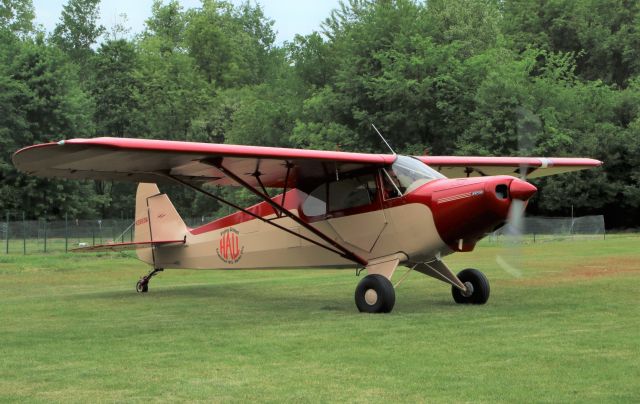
point(262, 209)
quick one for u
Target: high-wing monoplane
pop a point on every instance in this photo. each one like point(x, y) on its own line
point(332, 209)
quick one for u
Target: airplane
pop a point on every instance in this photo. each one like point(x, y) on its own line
point(334, 209)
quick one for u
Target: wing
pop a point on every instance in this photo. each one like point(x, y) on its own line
point(458, 166)
point(145, 160)
point(128, 246)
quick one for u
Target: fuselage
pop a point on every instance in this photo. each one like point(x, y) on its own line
point(375, 214)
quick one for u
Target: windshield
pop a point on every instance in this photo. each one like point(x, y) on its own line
point(408, 174)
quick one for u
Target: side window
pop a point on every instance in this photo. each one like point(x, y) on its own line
point(344, 194)
point(316, 202)
point(352, 192)
point(391, 184)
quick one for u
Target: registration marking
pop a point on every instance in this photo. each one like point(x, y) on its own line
point(460, 196)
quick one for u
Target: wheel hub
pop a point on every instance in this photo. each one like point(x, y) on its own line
point(371, 297)
point(469, 291)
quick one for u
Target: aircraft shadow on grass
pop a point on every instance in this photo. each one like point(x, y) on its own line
point(248, 295)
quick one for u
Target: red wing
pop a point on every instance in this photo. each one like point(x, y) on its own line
point(144, 160)
point(458, 166)
point(128, 246)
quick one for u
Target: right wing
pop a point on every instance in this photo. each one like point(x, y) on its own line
point(533, 167)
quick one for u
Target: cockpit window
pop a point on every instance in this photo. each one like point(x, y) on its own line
point(408, 173)
point(352, 192)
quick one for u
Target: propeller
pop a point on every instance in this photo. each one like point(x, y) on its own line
point(520, 191)
point(509, 260)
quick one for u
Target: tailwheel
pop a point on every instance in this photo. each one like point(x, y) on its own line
point(477, 287)
point(142, 286)
point(375, 294)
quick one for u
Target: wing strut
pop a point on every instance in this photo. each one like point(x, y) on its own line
point(339, 250)
point(346, 253)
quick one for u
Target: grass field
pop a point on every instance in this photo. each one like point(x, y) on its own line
point(72, 328)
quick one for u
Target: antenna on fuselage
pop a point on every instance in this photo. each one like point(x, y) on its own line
point(383, 139)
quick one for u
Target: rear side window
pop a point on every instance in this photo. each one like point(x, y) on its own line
point(343, 194)
point(316, 202)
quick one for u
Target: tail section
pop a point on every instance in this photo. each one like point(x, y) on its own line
point(156, 219)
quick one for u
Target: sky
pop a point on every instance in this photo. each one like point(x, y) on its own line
point(291, 16)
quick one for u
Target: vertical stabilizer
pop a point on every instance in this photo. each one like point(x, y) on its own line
point(156, 219)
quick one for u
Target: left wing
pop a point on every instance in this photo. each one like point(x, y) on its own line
point(128, 246)
point(533, 167)
point(154, 161)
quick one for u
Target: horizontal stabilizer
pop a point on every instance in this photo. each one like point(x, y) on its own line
point(128, 246)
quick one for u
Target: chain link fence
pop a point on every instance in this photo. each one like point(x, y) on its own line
point(537, 229)
point(41, 236)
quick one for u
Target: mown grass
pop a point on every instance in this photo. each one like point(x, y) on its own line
point(72, 328)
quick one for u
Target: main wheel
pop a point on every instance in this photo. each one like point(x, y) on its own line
point(477, 283)
point(375, 294)
point(142, 286)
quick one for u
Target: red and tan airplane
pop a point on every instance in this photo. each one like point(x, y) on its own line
point(335, 209)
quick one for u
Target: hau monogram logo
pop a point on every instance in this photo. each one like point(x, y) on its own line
point(230, 251)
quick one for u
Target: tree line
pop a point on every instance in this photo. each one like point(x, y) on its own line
point(460, 77)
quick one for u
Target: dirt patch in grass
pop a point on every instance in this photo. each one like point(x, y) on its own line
point(610, 267)
point(602, 268)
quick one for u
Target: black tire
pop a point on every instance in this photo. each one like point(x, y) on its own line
point(385, 295)
point(480, 285)
point(142, 287)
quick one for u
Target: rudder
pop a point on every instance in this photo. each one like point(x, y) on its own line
point(156, 219)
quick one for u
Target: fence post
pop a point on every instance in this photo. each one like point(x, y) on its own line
point(93, 236)
point(7, 234)
point(45, 234)
point(66, 232)
point(24, 235)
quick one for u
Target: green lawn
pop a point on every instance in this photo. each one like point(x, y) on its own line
point(72, 328)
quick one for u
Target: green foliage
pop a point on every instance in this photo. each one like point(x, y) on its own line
point(41, 100)
point(487, 77)
point(230, 46)
point(16, 16)
point(604, 33)
point(78, 29)
point(114, 89)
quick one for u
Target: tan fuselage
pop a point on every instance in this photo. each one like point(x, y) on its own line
point(407, 230)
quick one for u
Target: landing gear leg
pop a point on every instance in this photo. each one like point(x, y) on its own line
point(142, 286)
point(470, 286)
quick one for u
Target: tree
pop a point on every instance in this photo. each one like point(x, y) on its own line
point(311, 59)
point(41, 102)
point(166, 25)
point(16, 16)
point(603, 33)
point(395, 68)
point(114, 89)
point(78, 29)
point(231, 47)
